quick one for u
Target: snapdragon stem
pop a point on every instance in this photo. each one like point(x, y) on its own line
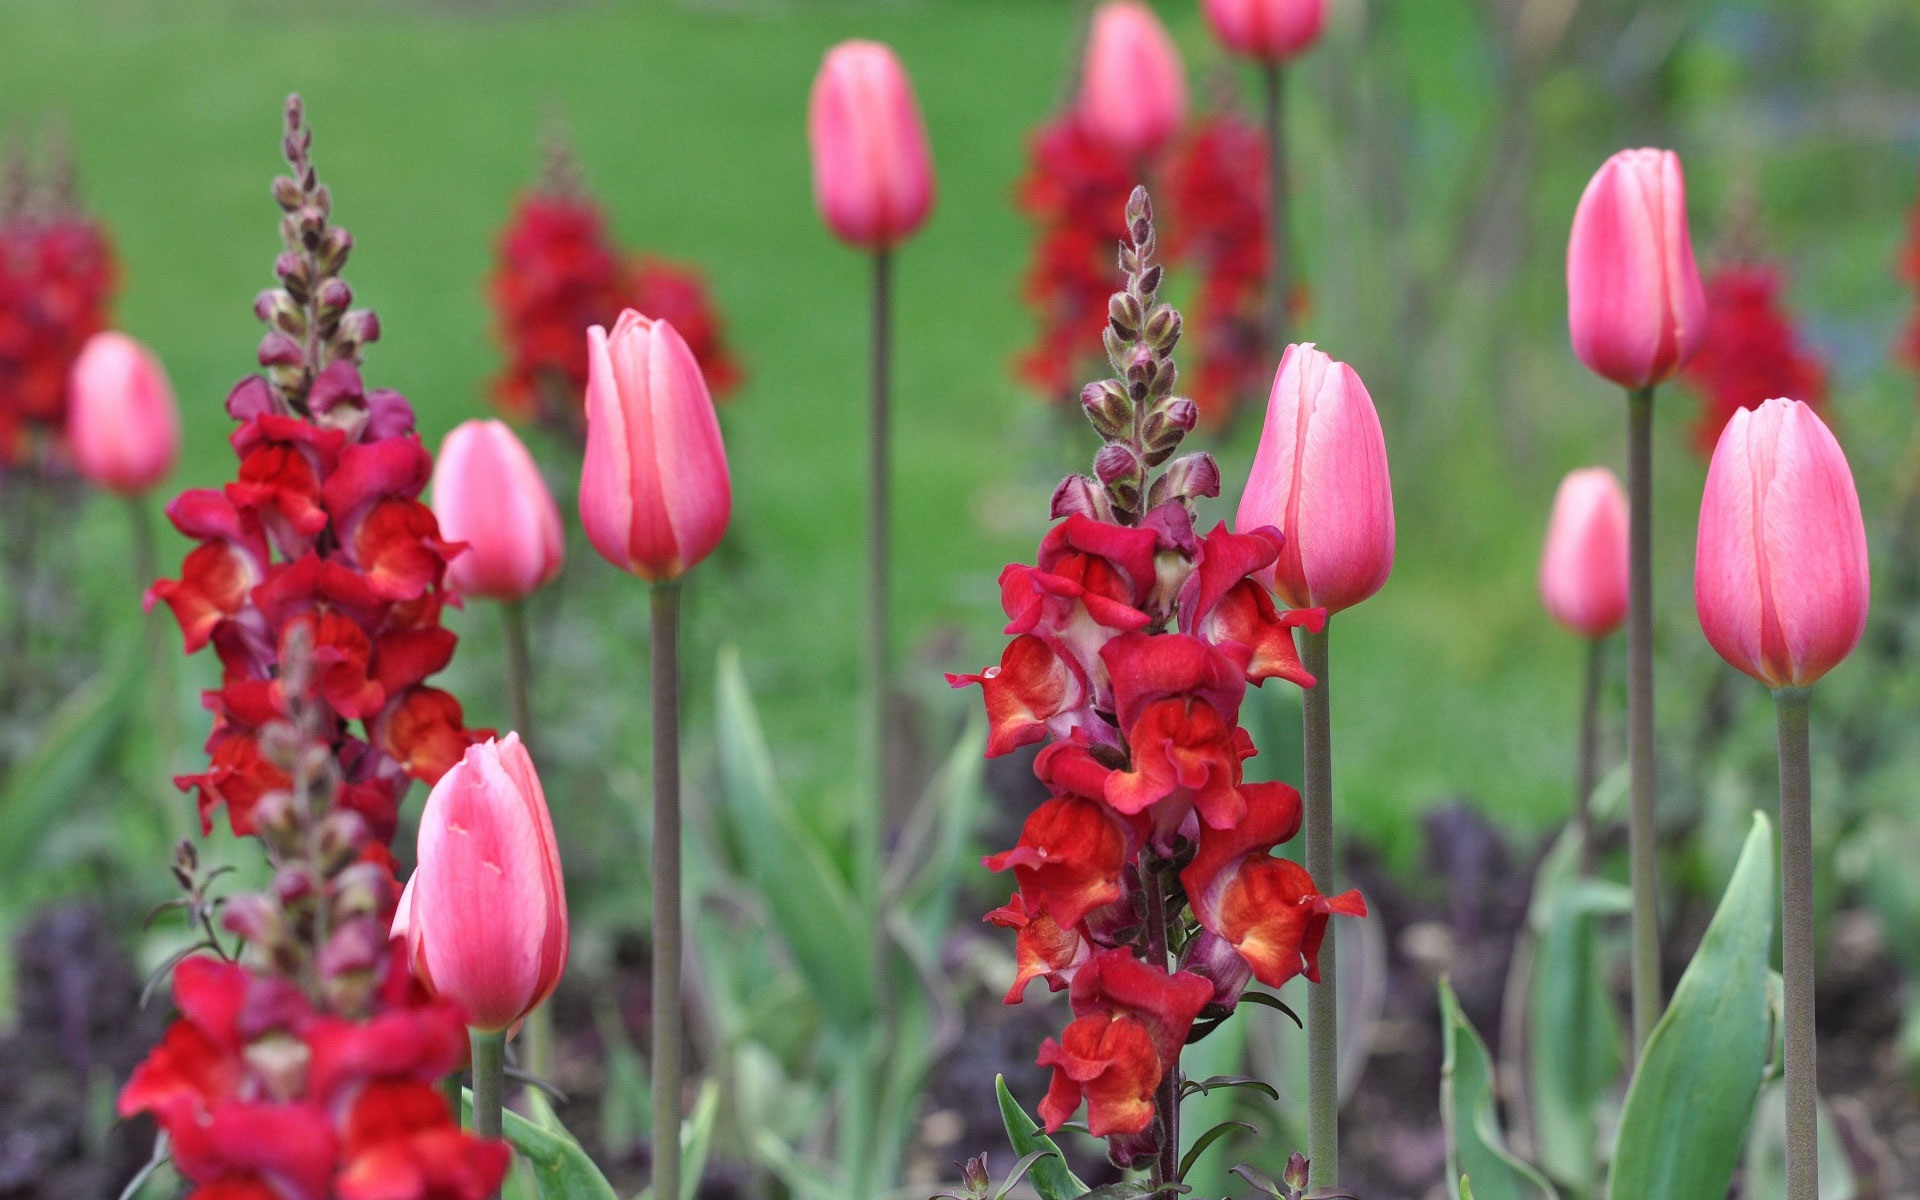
point(489, 1080)
point(537, 1034)
point(1166, 1101)
point(665, 656)
point(1589, 761)
point(1323, 998)
point(1643, 846)
point(1797, 953)
point(869, 833)
point(1275, 80)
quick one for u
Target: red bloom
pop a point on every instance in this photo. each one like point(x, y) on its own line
point(1177, 701)
point(1223, 604)
point(1041, 949)
point(1907, 348)
point(1069, 858)
point(57, 274)
point(1093, 580)
point(1751, 351)
point(1131, 1020)
point(1034, 690)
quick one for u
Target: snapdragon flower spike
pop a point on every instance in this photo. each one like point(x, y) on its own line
point(321, 532)
point(1130, 1021)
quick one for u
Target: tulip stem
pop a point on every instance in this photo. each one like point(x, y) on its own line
point(489, 1079)
point(666, 890)
point(1642, 833)
point(1589, 761)
point(1797, 953)
point(870, 833)
point(1323, 1007)
point(537, 1034)
point(1277, 284)
point(159, 662)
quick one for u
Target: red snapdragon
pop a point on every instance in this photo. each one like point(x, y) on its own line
point(1751, 352)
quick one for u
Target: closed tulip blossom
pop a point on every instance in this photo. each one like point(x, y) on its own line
point(1267, 31)
point(1780, 572)
point(655, 495)
point(1133, 88)
point(485, 914)
point(488, 493)
point(1583, 568)
point(872, 171)
point(121, 422)
point(1320, 478)
point(1635, 306)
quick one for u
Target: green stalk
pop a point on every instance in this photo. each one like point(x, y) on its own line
point(536, 1036)
point(869, 833)
point(159, 662)
point(1642, 833)
point(1589, 753)
point(1275, 81)
point(1166, 1101)
point(1323, 998)
point(489, 1080)
point(666, 889)
point(1797, 952)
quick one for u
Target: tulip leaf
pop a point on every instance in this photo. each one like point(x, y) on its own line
point(1051, 1176)
point(1475, 1147)
point(1574, 1040)
point(1693, 1094)
point(43, 786)
point(560, 1169)
point(799, 887)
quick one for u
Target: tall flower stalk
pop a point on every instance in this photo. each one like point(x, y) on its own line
point(1144, 884)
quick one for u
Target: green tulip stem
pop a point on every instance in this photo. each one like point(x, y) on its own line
point(1797, 954)
point(1643, 844)
point(166, 729)
point(1323, 998)
point(489, 1080)
point(870, 831)
point(666, 889)
point(1588, 764)
point(537, 1035)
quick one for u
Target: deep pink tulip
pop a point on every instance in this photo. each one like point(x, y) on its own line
point(1635, 307)
point(1583, 569)
point(1268, 31)
point(1780, 574)
point(654, 492)
point(488, 493)
point(121, 422)
point(1133, 89)
point(872, 172)
point(1320, 477)
point(485, 913)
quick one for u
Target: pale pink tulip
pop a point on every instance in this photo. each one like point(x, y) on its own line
point(1268, 31)
point(488, 493)
point(1583, 569)
point(1635, 307)
point(1133, 89)
point(1320, 477)
point(872, 172)
point(655, 495)
point(485, 913)
point(1780, 573)
point(121, 422)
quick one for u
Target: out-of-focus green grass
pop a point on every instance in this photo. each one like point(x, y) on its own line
point(689, 122)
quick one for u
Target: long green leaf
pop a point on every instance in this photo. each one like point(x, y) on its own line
point(45, 784)
point(561, 1170)
point(1692, 1097)
point(798, 885)
point(1475, 1147)
point(1051, 1176)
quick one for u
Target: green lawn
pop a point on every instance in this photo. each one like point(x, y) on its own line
point(689, 121)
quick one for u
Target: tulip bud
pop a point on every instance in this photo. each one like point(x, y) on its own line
point(1780, 574)
point(1583, 569)
point(1133, 89)
point(485, 914)
point(872, 172)
point(1635, 307)
point(488, 493)
point(1267, 31)
point(121, 422)
point(654, 491)
point(1320, 477)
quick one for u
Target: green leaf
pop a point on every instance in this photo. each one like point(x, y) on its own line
point(1765, 1172)
point(1208, 1138)
point(1051, 1177)
point(1019, 1172)
point(1203, 1086)
point(561, 1170)
point(45, 785)
point(1474, 1144)
point(798, 886)
point(1692, 1097)
point(1273, 1002)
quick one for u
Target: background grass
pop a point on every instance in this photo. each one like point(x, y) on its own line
point(689, 122)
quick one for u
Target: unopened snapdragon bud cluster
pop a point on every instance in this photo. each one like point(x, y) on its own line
point(1136, 413)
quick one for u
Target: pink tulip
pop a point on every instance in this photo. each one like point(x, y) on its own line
point(1268, 31)
point(488, 493)
point(1780, 570)
point(1635, 307)
point(1133, 90)
point(1583, 570)
point(121, 421)
point(872, 172)
point(1320, 477)
point(654, 491)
